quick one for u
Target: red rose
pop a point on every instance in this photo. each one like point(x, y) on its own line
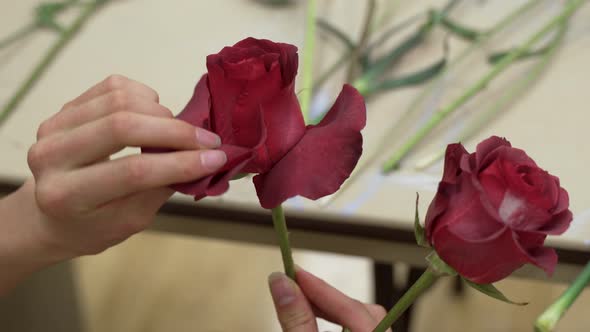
point(493, 210)
point(248, 99)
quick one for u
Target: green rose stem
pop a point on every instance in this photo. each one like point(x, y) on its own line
point(392, 163)
point(420, 286)
point(280, 226)
point(49, 57)
point(521, 86)
point(547, 321)
point(307, 74)
point(362, 43)
point(278, 216)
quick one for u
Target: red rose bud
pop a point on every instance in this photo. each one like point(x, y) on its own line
point(248, 99)
point(493, 210)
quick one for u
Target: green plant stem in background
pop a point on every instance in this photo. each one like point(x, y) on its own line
point(17, 35)
point(362, 43)
point(280, 226)
point(307, 74)
point(521, 86)
point(49, 57)
point(420, 286)
point(413, 108)
point(393, 162)
point(548, 319)
point(388, 137)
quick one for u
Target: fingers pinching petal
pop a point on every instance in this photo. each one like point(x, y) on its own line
point(100, 107)
point(137, 173)
point(112, 83)
point(100, 139)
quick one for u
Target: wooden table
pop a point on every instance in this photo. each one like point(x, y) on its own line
point(164, 44)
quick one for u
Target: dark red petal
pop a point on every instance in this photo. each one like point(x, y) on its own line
point(322, 159)
point(284, 123)
point(480, 261)
point(196, 112)
point(224, 96)
point(247, 70)
point(218, 183)
point(485, 148)
point(563, 201)
point(466, 215)
point(531, 245)
point(558, 224)
point(453, 156)
point(288, 55)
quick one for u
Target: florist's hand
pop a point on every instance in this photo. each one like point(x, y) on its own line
point(86, 201)
point(298, 306)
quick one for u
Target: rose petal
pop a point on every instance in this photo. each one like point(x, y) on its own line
point(558, 224)
point(285, 127)
point(453, 156)
point(486, 147)
point(480, 261)
point(288, 55)
point(218, 183)
point(466, 215)
point(197, 111)
point(322, 159)
point(531, 246)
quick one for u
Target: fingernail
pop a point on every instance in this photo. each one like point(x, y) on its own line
point(208, 139)
point(213, 159)
point(281, 289)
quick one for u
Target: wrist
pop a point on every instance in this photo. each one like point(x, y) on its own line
point(24, 248)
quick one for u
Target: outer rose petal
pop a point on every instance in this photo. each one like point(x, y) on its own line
point(486, 147)
point(490, 260)
point(453, 156)
point(218, 183)
point(323, 158)
point(196, 112)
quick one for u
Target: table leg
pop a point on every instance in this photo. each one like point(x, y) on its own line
point(387, 295)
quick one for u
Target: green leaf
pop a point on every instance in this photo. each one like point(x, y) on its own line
point(459, 30)
point(46, 14)
point(439, 266)
point(418, 77)
point(492, 291)
point(498, 56)
point(334, 31)
point(418, 229)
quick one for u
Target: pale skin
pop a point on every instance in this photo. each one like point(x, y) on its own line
point(80, 201)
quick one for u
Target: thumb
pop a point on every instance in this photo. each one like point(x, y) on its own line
point(293, 309)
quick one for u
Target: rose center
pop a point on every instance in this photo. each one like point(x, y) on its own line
point(512, 209)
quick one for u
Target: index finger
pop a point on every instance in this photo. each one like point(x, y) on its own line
point(112, 83)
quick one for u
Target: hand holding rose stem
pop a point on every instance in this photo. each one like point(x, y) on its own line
point(393, 162)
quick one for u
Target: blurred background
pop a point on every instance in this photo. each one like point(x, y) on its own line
point(172, 282)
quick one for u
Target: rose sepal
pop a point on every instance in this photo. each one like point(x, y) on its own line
point(439, 266)
point(418, 229)
point(491, 291)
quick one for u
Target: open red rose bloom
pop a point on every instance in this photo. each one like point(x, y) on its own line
point(248, 99)
point(493, 210)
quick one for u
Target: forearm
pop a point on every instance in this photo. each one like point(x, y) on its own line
point(21, 250)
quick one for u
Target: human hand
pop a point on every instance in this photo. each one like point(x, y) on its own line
point(84, 201)
point(298, 305)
